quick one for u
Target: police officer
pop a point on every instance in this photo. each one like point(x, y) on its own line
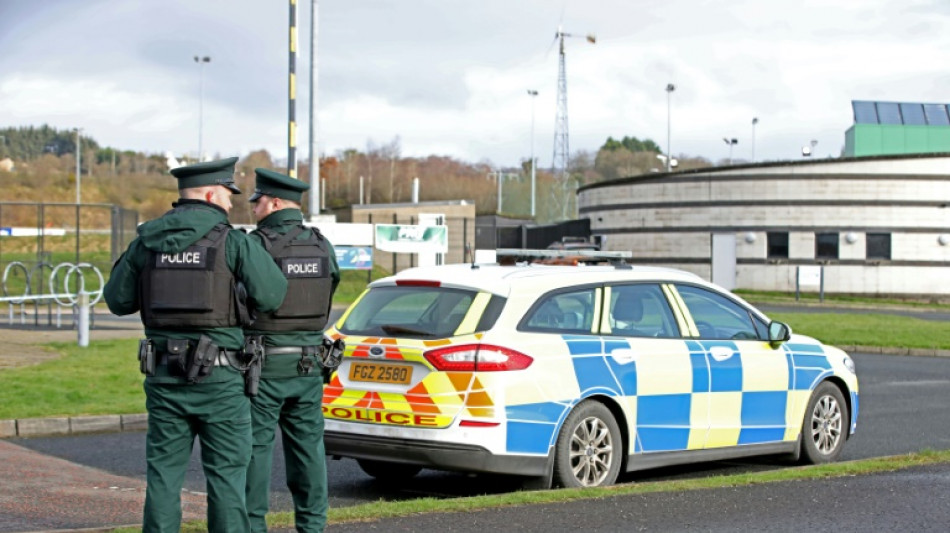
point(183, 274)
point(291, 385)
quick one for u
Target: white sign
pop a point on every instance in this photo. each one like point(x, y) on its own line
point(411, 239)
point(809, 275)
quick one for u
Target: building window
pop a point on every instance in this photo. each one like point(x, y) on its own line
point(879, 246)
point(826, 246)
point(778, 244)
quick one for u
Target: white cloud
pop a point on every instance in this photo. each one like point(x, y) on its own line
point(451, 79)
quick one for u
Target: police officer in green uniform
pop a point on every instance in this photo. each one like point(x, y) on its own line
point(291, 385)
point(185, 274)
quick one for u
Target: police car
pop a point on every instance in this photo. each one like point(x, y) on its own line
point(569, 375)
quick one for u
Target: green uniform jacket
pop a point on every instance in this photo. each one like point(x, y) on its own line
point(283, 221)
point(173, 233)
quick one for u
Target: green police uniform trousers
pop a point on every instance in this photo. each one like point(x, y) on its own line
point(218, 413)
point(295, 404)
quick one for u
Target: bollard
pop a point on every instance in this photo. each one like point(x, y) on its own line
point(83, 319)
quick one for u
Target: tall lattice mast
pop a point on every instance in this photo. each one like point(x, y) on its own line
point(561, 192)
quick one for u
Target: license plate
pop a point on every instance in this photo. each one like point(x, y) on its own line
point(380, 373)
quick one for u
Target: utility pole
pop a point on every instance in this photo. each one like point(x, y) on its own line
point(316, 199)
point(201, 98)
point(78, 167)
point(532, 93)
point(755, 120)
point(669, 155)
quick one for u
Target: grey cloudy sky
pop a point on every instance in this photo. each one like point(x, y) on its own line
point(450, 77)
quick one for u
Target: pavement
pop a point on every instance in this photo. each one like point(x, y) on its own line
point(40, 491)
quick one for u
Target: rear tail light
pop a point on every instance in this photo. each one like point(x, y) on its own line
point(478, 424)
point(477, 358)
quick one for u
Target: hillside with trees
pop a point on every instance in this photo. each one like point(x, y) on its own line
point(45, 171)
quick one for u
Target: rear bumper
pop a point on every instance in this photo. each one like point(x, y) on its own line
point(432, 454)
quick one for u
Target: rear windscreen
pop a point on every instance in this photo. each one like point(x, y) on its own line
point(421, 312)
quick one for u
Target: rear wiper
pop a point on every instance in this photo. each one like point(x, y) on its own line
point(393, 329)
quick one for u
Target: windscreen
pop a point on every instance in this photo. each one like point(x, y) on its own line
point(420, 312)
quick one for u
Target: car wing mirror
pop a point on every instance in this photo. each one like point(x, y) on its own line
point(779, 332)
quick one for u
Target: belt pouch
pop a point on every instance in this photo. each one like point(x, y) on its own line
point(308, 360)
point(147, 357)
point(178, 357)
point(202, 361)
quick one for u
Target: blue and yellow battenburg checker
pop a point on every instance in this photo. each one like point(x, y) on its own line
point(702, 394)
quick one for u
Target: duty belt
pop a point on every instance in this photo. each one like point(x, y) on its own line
point(223, 359)
point(283, 350)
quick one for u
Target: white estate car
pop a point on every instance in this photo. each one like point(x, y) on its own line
point(572, 374)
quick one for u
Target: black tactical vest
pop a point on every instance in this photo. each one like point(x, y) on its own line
point(190, 289)
point(306, 265)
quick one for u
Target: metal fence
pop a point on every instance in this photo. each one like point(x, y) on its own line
point(76, 232)
point(52, 252)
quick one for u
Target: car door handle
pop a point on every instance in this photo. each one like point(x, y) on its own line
point(721, 353)
point(624, 355)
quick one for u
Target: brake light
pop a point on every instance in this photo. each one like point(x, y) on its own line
point(418, 283)
point(477, 358)
point(478, 424)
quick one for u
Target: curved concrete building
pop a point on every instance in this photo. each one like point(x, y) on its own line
point(871, 225)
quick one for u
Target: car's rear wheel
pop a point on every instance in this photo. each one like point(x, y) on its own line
point(589, 448)
point(825, 427)
point(388, 472)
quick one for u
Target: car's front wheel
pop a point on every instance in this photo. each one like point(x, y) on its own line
point(589, 448)
point(388, 472)
point(825, 427)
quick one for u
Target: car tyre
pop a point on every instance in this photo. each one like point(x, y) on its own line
point(589, 448)
point(825, 427)
point(388, 472)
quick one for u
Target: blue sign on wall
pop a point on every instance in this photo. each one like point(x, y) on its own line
point(354, 257)
point(6, 232)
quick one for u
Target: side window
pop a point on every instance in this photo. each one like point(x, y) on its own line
point(878, 246)
point(777, 244)
point(826, 246)
point(564, 312)
point(641, 310)
point(718, 317)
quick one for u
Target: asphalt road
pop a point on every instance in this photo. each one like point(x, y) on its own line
point(905, 407)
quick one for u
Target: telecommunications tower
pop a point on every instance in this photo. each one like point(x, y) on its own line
point(561, 191)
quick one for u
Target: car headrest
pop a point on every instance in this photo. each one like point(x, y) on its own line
point(628, 309)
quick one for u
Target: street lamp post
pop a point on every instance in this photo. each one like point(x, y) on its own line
point(532, 93)
point(78, 167)
point(755, 120)
point(669, 156)
point(201, 96)
point(731, 142)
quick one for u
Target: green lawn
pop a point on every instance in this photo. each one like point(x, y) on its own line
point(104, 378)
point(101, 379)
point(869, 329)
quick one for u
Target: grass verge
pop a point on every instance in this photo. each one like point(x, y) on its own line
point(101, 379)
point(104, 378)
point(391, 509)
point(869, 329)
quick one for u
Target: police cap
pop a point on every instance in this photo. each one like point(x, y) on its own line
point(277, 185)
point(219, 172)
